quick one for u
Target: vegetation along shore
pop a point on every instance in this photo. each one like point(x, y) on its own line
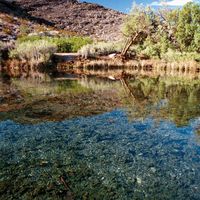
point(164, 37)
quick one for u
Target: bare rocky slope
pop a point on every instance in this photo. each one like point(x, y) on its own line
point(15, 21)
point(84, 18)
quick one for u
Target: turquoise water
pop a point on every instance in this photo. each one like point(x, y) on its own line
point(143, 143)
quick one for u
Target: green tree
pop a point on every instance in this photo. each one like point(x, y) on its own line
point(155, 32)
point(168, 19)
point(188, 27)
point(139, 24)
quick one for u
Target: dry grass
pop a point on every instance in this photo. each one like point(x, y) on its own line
point(115, 67)
point(187, 65)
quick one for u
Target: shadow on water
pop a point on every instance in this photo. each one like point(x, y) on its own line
point(82, 137)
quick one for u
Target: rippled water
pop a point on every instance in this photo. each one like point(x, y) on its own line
point(93, 138)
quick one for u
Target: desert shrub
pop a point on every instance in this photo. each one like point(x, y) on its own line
point(24, 30)
point(28, 38)
point(78, 42)
point(164, 44)
point(172, 55)
point(64, 44)
point(149, 48)
point(152, 51)
point(70, 44)
point(100, 49)
point(34, 52)
point(2, 47)
point(7, 31)
point(196, 44)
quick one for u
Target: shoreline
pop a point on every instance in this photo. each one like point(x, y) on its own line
point(150, 67)
point(110, 68)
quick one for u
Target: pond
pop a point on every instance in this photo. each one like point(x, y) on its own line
point(86, 137)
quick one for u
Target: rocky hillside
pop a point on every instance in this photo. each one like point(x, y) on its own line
point(84, 18)
point(15, 21)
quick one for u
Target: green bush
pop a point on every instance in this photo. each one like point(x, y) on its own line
point(34, 52)
point(172, 55)
point(149, 48)
point(64, 44)
point(100, 49)
point(152, 51)
point(30, 38)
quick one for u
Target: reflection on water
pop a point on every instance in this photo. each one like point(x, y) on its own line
point(142, 69)
point(171, 99)
point(83, 137)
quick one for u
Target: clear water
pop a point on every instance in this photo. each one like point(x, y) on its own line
point(97, 139)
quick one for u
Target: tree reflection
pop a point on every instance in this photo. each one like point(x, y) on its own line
point(164, 98)
point(170, 98)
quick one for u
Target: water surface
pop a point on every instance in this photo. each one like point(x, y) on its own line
point(92, 138)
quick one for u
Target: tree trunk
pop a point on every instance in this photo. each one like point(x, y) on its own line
point(127, 47)
point(128, 44)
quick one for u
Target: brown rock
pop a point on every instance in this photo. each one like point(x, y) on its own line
point(84, 18)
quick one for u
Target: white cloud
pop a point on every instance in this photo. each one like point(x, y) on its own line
point(171, 3)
